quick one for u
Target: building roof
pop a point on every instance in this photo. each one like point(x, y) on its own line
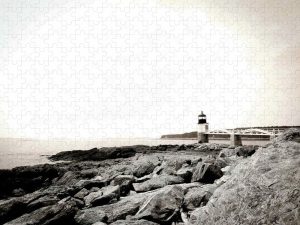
point(202, 114)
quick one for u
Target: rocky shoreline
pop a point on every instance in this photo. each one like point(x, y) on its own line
point(166, 184)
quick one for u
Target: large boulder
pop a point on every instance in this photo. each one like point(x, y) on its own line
point(125, 183)
point(157, 182)
point(186, 173)
point(198, 196)
point(291, 134)
point(90, 216)
point(15, 207)
point(60, 213)
point(27, 179)
point(163, 207)
point(262, 189)
point(206, 173)
point(145, 165)
point(246, 151)
point(110, 194)
point(227, 152)
point(91, 196)
point(133, 222)
point(173, 164)
point(82, 193)
point(95, 154)
point(126, 206)
point(88, 184)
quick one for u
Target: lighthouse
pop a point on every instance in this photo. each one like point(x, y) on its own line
point(202, 128)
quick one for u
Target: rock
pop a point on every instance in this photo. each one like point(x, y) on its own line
point(90, 216)
point(262, 189)
point(245, 151)
point(82, 193)
point(133, 222)
point(12, 208)
point(198, 196)
point(144, 166)
point(110, 194)
point(91, 196)
point(91, 183)
point(157, 182)
point(41, 202)
point(61, 213)
point(68, 178)
point(18, 192)
point(163, 207)
point(89, 173)
point(291, 134)
point(27, 179)
point(99, 223)
point(125, 183)
point(220, 162)
point(206, 173)
point(202, 148)
point(186, 173)
point(144, 178)
point(173, 164)
point(95, 154)
point(196, 161)
point(15, 207)
point(227, 152)
point(158, 169)
point(126, 206)
point(210, 159)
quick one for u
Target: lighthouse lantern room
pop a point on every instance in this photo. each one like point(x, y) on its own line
point(202, 128)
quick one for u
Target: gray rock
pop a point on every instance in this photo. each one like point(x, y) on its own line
point(91, 183)
point(69, 178)
point(144, 166)
point(144, 178)
point(91, 196)
point(245, 151)
point(60, 213)
point(198, 196)
point(133, 222)
point(89, 173)
point(186, 173)
point(220, 162)
point(82, 193)
point(173, 164)
point(291, 134)
point(18, 192)
point(262, 189)
point(99, 223)
point(126, 206)
point(95, 154)
point(163, 207)
point(42, 201)
point(90, 216)
point(15, 207)
point(110, 194)
point(125, 183)
point(202, 148)
point(157, 182)
point(206, 173)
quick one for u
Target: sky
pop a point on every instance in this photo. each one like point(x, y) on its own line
point(143, 68)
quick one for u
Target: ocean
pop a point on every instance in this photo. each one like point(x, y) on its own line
point(24, 152)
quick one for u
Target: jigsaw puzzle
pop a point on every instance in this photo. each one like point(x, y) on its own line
point(149, 112)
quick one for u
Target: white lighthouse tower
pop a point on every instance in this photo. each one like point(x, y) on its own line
point(202, 128)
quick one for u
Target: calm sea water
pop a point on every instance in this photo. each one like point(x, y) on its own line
point(24, 152)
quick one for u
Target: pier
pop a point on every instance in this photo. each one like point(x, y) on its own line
point(235, 135)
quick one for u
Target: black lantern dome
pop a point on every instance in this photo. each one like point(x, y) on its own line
point(201, 118)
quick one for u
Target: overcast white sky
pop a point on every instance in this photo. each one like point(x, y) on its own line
point(93, 69)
